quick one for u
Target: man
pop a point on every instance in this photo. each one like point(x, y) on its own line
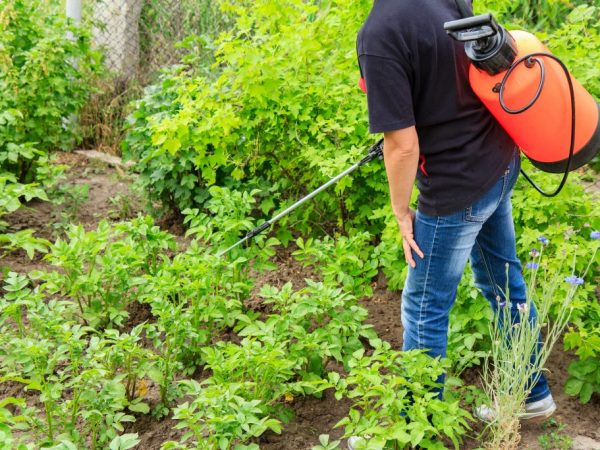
point(437, 131)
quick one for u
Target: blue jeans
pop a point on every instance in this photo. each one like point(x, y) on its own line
point(484, 233)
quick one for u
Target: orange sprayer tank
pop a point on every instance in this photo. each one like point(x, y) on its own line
point(542, 130)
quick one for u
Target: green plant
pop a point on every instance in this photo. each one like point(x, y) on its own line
point(23, 240)
point(395, 405)
point(101, 270)
point(536, 14)
point(124, 442)
point(220, 417)
point(9, 199)
point(176, 342)
point(42, 86)
point(194, 298)
point(122, 207)
point(11, 195)
point(263, 115)
point(226, 220)
point(324, 443)
point(577, 42)
point(121, 353)
point(148, 241)
point(345, 260)
point(264, 370)
point(518, 353)
point(318, 322)
point(48, 352)
point(69, 198)
point(554, 437)
point(584, 379)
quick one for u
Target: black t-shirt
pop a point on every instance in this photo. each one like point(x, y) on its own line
point(417, 75)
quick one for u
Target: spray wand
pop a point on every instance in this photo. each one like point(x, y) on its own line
point(376, 151)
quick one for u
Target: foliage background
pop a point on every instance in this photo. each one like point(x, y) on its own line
point(279, 111)
point(246, 124)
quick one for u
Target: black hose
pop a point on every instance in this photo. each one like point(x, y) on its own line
point(529, 61)
point(463, 8)
point(531, 58)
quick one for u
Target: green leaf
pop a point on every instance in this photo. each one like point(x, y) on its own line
point(172, 146)
point(586, 392)
point(573, 386)
point(139, 407)
point(124, 442)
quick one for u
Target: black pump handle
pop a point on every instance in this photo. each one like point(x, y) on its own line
point(472, 28)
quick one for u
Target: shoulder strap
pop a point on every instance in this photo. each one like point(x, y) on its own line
point(465, 11)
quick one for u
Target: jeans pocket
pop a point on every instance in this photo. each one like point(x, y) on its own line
point(482, 209)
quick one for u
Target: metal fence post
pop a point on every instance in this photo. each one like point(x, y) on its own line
point(74, 10)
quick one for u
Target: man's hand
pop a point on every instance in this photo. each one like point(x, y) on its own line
point(405, 222)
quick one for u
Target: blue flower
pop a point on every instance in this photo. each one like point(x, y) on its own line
point(534, 252)
point(544, 240)
point(595, 235)
point(532, 265)
point(575, 281)
point(502, 304)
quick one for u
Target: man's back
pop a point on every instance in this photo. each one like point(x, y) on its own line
point(417, 75)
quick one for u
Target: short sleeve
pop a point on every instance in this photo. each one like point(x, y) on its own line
point(389, 94)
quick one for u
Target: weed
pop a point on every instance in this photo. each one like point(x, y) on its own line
point(69, 198)
point(123, 208)
point(554, 437)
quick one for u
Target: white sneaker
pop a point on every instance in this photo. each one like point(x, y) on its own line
point(542, 409)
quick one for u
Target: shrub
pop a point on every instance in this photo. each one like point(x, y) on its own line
point(284, 107)
point(43, 81)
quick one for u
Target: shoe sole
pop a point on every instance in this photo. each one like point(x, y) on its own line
point(538, 417)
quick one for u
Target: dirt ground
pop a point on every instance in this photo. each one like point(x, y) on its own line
point(312, 416)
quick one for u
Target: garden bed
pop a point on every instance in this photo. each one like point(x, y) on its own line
point(313, 416)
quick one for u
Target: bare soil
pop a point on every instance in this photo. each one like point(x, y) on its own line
point(313, 416)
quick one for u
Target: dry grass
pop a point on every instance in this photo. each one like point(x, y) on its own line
point(103, 117)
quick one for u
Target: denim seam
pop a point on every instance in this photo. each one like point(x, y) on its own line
point(487, 268)
point(515, 175)
point(470, 217)
point(504, 185)
point(422, 310)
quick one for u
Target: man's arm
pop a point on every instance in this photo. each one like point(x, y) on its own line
point(401, 156)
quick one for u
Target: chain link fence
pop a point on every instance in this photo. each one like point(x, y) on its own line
point(137, 39)
point(141, 36)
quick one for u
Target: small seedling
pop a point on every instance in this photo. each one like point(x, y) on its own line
point(554, 438)
point(69, 198)
point(122, 207)
point(324, 443)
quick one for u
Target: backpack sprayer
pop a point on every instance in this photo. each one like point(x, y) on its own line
point(531, 94)
point(534, 108)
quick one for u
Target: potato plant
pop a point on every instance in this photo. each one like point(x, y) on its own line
point(395, 405)
point(275, 116)
point(54, 356)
